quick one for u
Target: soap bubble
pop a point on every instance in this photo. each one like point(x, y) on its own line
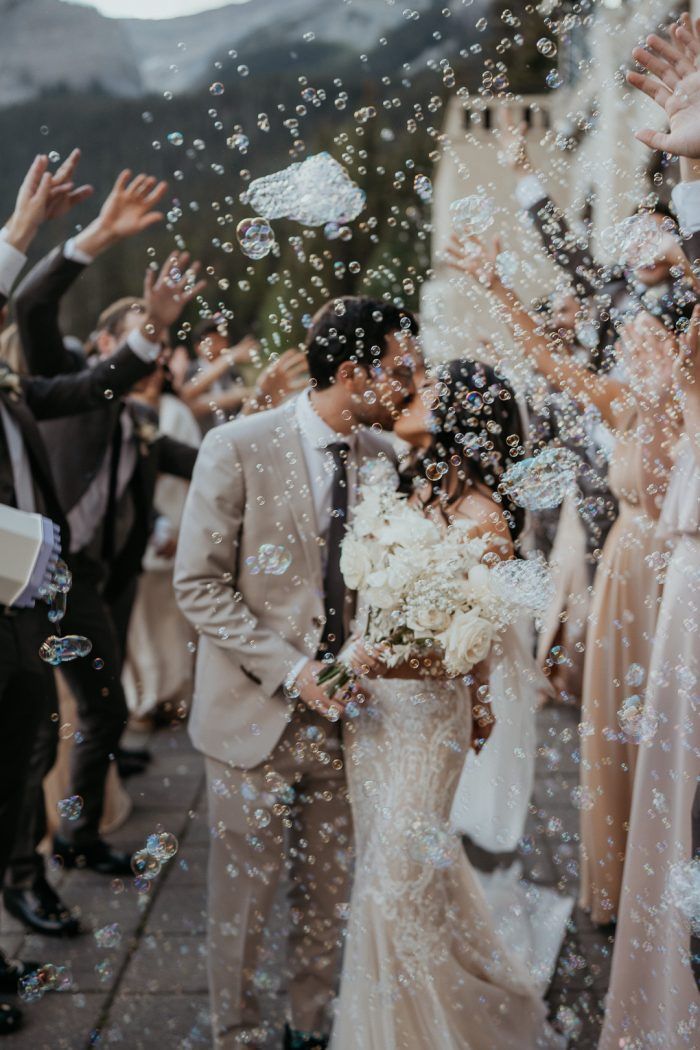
point(473, 214)
point(635, 675)
point(274, 560)
point(256, 237)
point(48, 978)
point(176, 138)
point(56, 651)
point(542, 481)
point(528, 581)
point(108, 936)
point(635, 241)
point(637, 721)
point(432, 846)
point(216, 88)
point(546, 47)
point(145, 865)
point(684, 890)
point(70, 808)
point(314, 193)
point(104, 971)
point(554, 79)
point(507, 265)
point(424, 188)
point(163, 845)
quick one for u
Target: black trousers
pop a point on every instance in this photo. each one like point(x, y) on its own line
point(28, 714)
point(102, 713)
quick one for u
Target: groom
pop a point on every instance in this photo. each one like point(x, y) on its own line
point(258, 575)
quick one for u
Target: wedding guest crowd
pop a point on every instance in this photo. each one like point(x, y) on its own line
point(104, 439)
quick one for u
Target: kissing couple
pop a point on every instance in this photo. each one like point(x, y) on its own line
point(344, 819)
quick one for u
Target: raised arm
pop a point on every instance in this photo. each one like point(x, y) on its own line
point(559, 241)
point(672, 80)
point(41, 196)
point(469, 256)
point(127, 211)
point(166, 296)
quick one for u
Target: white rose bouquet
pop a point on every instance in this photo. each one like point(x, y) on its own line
point(429, 591)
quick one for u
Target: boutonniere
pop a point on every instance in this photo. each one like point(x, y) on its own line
point(146, 434)
point(9, 380)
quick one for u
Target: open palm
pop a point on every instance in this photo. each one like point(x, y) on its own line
point(672, 80)
point(129, 208)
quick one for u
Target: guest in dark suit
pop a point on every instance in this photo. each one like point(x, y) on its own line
point(606, 293)
point(105, 467)
point(27, 694)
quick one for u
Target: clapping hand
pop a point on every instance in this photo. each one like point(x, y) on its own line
point(169, 292)
point(282, 377)
point(672, 80)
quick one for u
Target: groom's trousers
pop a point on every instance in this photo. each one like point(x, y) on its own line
point(284, 825)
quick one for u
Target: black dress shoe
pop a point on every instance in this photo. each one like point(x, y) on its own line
point(10, 1019)
point(98, 856)
point(40, 908)
point(12, 971)
point(135, 754)
point(294, 1040)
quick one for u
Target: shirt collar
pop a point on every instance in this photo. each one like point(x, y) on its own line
point(318, 434)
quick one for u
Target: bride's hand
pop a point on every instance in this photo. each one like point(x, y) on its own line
point(366, 660)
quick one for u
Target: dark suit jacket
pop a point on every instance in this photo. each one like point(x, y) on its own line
point(77, 449)
point(31, 398)
point(600, 288)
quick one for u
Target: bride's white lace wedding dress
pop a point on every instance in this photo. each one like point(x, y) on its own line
point(423, 967)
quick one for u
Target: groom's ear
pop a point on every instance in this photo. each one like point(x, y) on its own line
point(347, 373)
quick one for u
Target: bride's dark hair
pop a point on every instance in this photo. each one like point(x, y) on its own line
point(476, 436)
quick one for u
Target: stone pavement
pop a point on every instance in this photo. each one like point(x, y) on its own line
point(149, 993)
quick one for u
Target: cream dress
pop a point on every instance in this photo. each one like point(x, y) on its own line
point(653, 1001)
point(622, 621)
point(423, 966)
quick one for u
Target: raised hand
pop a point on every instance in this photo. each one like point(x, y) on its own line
point(469, 255)
point(64, 195)
point(31, 206)
point(672, 80)
point(168, 293)
point(128, 210)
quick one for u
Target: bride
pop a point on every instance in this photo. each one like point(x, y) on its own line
point(423, 965)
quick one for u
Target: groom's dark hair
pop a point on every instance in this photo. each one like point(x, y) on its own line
point(352, 328)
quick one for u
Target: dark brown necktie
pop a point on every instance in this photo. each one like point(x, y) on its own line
point(334, 584)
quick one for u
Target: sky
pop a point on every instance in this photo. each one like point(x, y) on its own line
point(153, 8)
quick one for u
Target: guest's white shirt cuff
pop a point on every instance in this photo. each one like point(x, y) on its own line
point(11, 262)
point(75, 254)
point(144, 348)
point(686, 200)
point(529, 191)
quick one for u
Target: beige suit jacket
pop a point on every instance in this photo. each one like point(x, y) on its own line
point(251, 486)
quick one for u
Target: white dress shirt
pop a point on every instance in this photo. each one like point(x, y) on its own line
point(316, 436)
point(11, 262)
point(686, 200)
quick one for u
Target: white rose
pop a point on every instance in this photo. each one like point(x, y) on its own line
point(466, 641)
point(355, 563)
point(428, 621)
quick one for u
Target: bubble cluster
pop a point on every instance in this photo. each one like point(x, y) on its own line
point(271, 559)
point(256, 237)
point(70, 808)
point(316, 192)
point(542, 481)
point(473, 214)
